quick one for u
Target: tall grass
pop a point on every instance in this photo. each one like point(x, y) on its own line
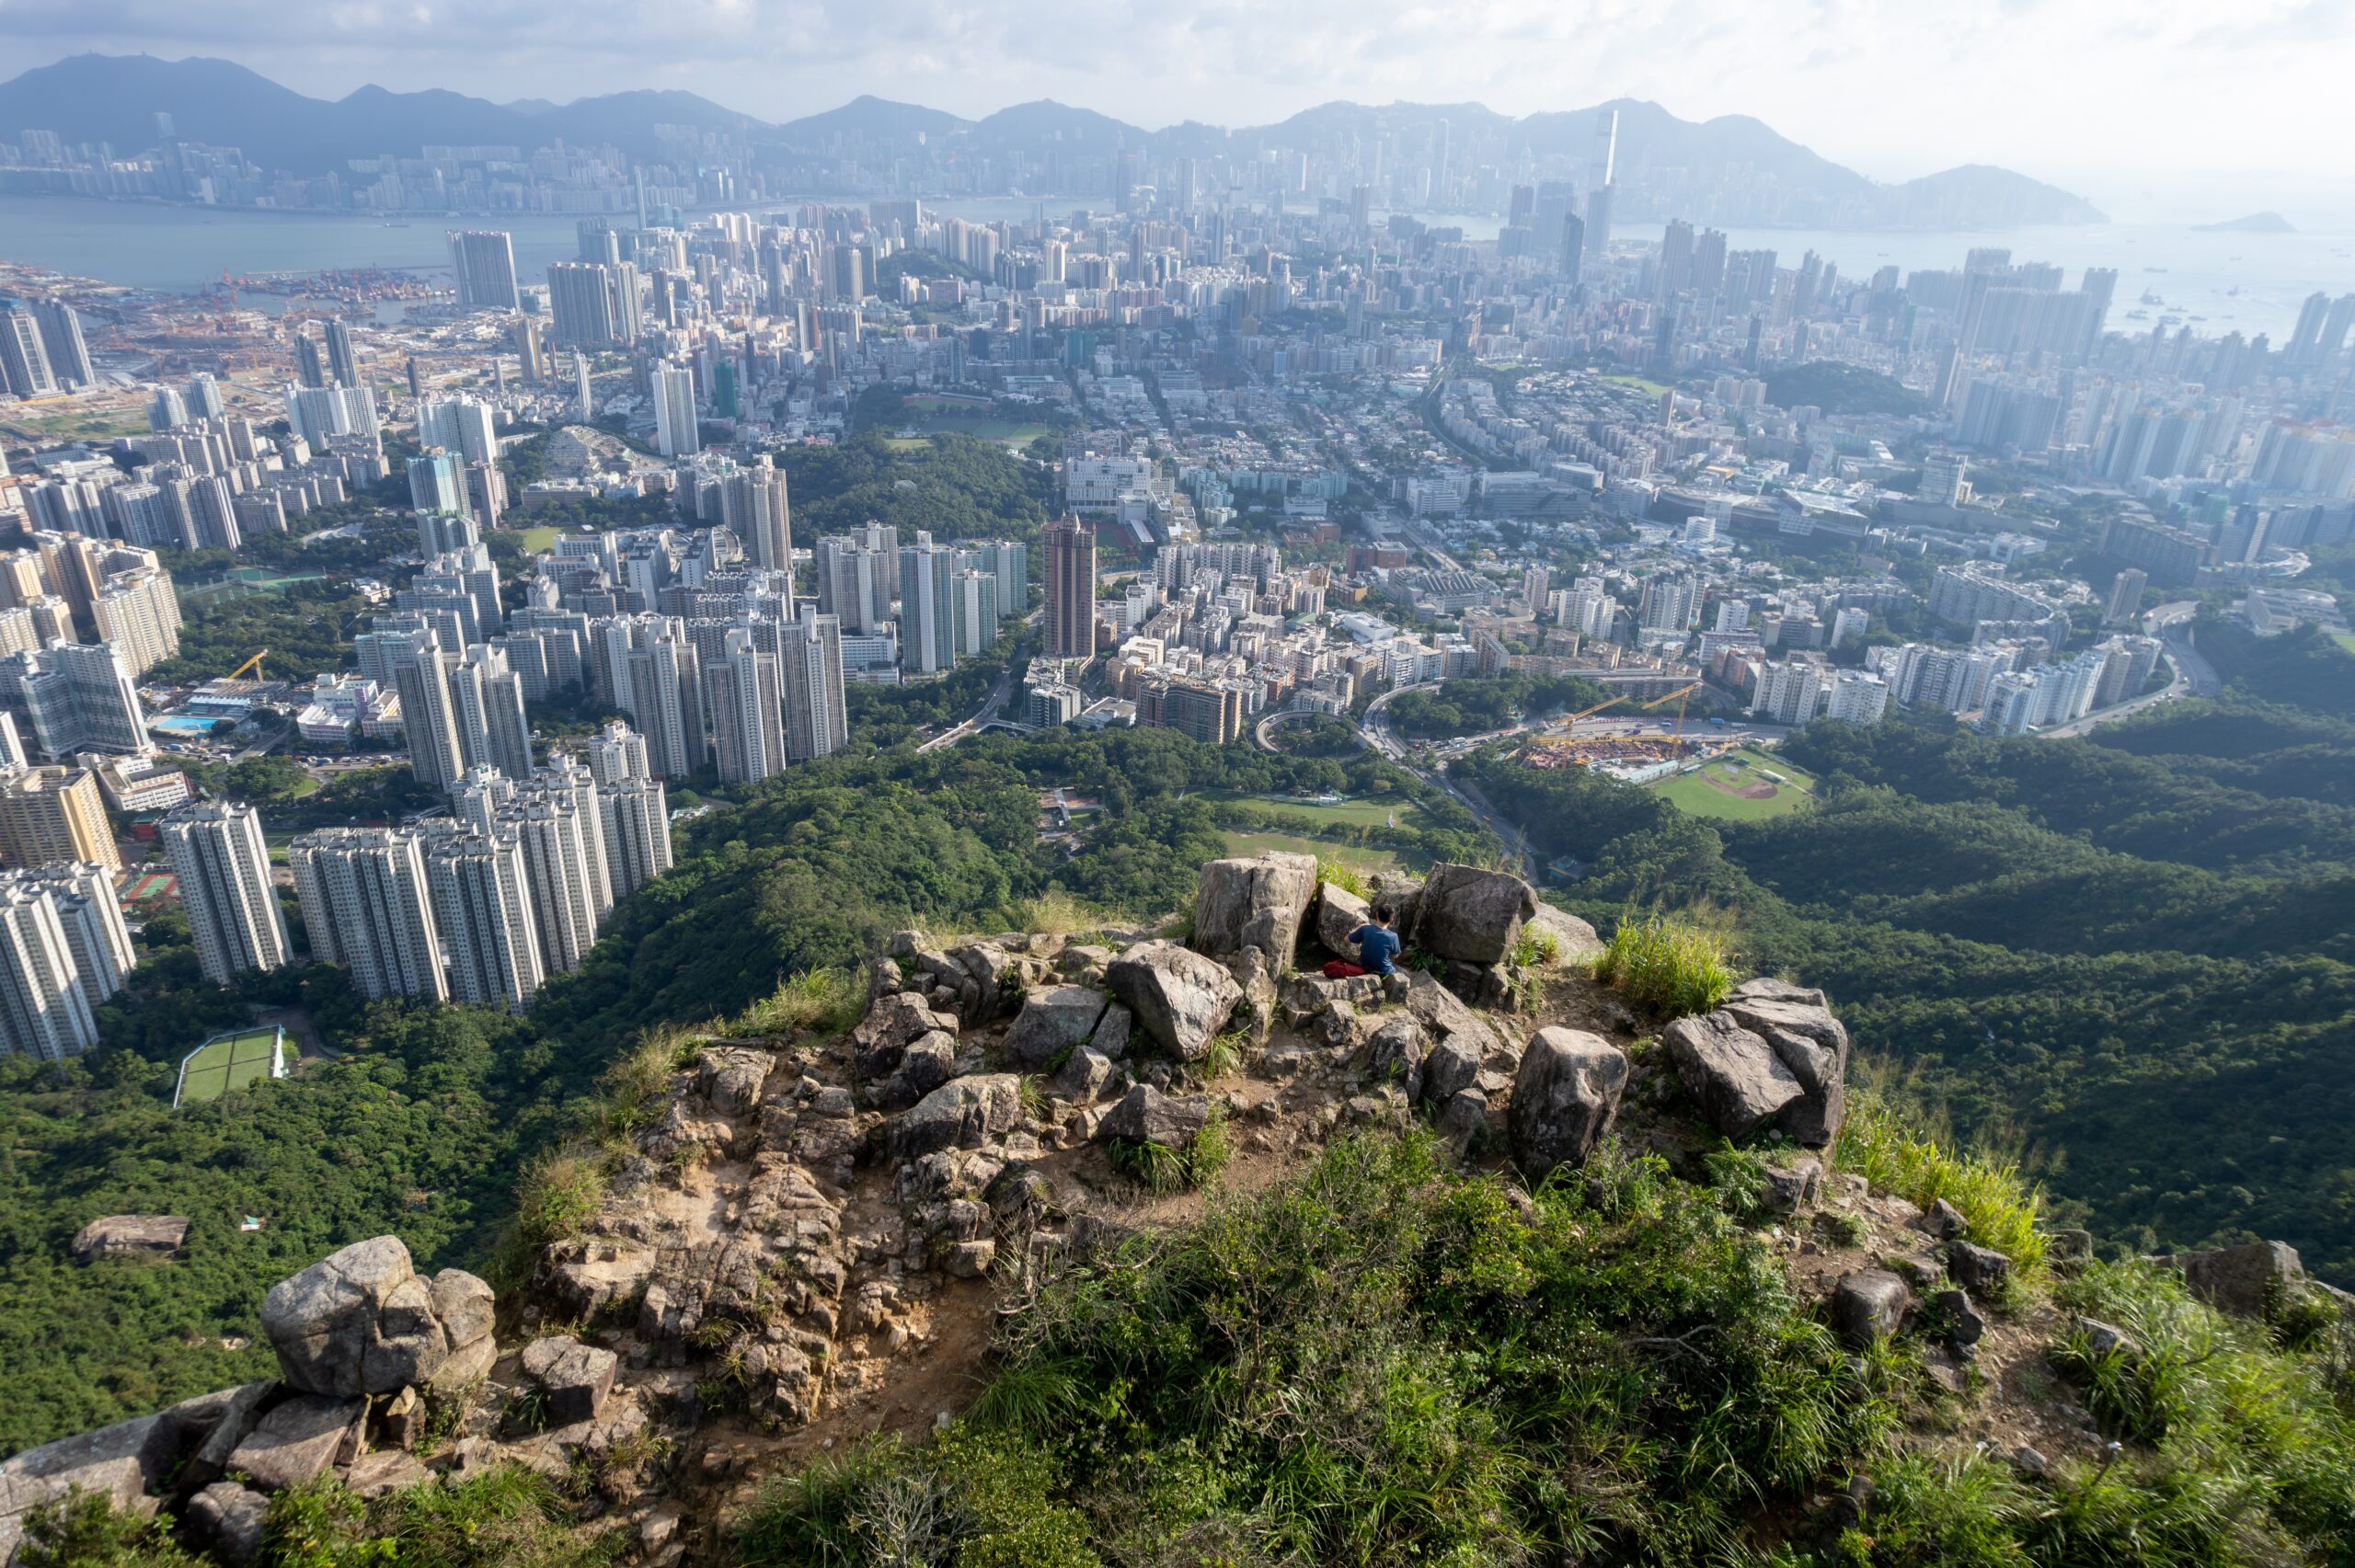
point(824, 1002)
point(1881, 1143)
point(1344, 876)
point(1057, 912)
point(1671, 965)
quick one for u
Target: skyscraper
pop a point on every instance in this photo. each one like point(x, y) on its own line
point(343, 363)
point(55, 816)
point(581, 305)
point(217, 853)
point(817, 716)
point(44, 1009)
point(482, 903)
point(24, 360)
point(747, 710)
point(676, 433)
point(637, 832)
point(1603, 176)
point(367, 905)
point(753, 505)
point(81, 698)
point(436, 757)
point(310, 370)
point(96, 933)
point(927, 609)
point(1070, 588)
point(562, 870)
point(615, 753)
point(484, 260)
point(61, 334)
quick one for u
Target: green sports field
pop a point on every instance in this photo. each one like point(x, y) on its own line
point(1246, 844)
point(1734, 787)
point(226, 1062)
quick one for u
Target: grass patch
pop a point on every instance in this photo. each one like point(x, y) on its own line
point(824, 1002)
point(1879, 1144)
point(1673, 966)
point(1723, 788)
point(1342, 875)
point(1368, 861)
point(535, 541)
point(1056, 912)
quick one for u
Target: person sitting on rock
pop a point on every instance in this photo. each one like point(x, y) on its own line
point(1377, 945)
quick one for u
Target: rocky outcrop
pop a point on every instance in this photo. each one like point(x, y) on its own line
point(1052, 1024)
point(574, 1378)
point(1564, 1098)
point(129, 1236)
point(1148, 1115)
point(1869, 1305)
point(2245, 1280)
point(962, 1114)
point(298, 1440)
point(1339, 912)
point(1179, 998)
point(1472, 915)
point(1254, 903)
point(1767, 1057)
point(361, 1322)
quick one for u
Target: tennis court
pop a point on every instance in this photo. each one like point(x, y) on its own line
point(230, 1061)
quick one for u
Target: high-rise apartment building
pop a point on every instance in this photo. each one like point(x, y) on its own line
point(60, 338)
point(482, 903)
point(80, 697)
point(563, 871)
point(617, 753)
point(754, 507)
point(927, 607)
point(637, 832)
point(676, 433)
point(817, 716)
point(2126, 595)
point(24, 359)
point(44, 1008)
point(139, 613)
point(747, 710)
point(1070, 588)
point(367, 905)
point(217, 853)
point(91, 915)
point(483, 261)
point(53, 816)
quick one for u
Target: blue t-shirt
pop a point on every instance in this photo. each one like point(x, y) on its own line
point(1376, 946)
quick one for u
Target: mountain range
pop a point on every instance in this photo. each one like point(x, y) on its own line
point(114, 98)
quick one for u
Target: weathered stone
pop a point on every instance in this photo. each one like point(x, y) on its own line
point(118, 1462)
point(409, 1345)
point(1446, 1020)
point(2068, 1247)
point(1563, 1097)
point(1463, 1117)
point(1943, 1220)
point(731, 1078)
point(1147, 1116)
point(1395, 1054)
point(1111, 1036)
point(575, 1377)
point(372, 1475)
point(1466, 912)
point(1736, 1075)
point(235, 1420)
point(297, 1440)
point(1254, 1013)
point(881, 1039)
point(325, 1322)
point(1980, 1270)
point(1764, 987)
point(129, 1236)
point(1574, 939)
point(1052, 1022)
point(1869, 1306)
point(466, 1365)
point(1339, 912)
point(970, 1259)
point(1814, 1046)
point(230, 1519)
point(1451, 1067)
point(2243, 1280)
point(963, 1113)
point(464, 1305)
point(1792, 1186)
point(1179, 998)
point(1254, 903)
point(993, 971)
point(2106, 1339)
point(1964, 1325)
point(1084, 1075)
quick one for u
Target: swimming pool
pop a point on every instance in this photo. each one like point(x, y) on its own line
point(182, 724)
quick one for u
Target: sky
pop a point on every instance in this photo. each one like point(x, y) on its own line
point(2182, 101)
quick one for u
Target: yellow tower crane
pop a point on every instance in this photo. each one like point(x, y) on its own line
point(253, 664)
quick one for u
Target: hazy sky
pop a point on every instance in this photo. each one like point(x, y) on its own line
point(2093, 94)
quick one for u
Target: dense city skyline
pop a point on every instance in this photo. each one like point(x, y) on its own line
point(2096, 102)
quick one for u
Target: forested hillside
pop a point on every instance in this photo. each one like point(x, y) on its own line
point(2134, 957)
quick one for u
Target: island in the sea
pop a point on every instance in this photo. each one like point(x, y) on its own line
point(2254, 223)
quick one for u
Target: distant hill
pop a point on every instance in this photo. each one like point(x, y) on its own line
point(2254, 223)
point(1729, 170)
point(114, 99)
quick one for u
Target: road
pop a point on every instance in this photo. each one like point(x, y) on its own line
point(998, 692)
point(2194, 676)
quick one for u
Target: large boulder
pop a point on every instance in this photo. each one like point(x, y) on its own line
point(963, 1113)
point(1339, 912)
point(298, 1440)
point(1814, 1044)
point(1052, 1024)
point(358, 1322)
point(1565, 1097)
point(1574, 939)
point(1446, 1019)
point(1147, 1116)
point(1179, 998)
point(1739, 1081)
point(1395, 1054)
point(1471, 914)
point(1254, 903)
point(2243, 1280)
point(118, 1462)
point(230, 1520)
point(895, 1021)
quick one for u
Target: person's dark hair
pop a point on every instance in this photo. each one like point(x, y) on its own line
point(1382, 914)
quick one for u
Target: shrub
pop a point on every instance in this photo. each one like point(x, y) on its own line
point(554, 1197)
point(85, 1530)
point(1057, 912)
point(825, 1000)
point(1344, 876)
point(1667, 964)
point(504, 1518)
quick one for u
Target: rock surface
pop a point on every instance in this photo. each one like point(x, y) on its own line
point(963, 1113)
point(297, 1441)
point(1052, 1022)
point(1471, 914)
point(1869, 1305)
point(1254, 903)
point(1339, 912)
point(1564, 1098)
point(1178, 997)
point(1739, 1081)
point(1146, 1114)
point(576, 1378)
point(361, 1322)
point(2243, 1280)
